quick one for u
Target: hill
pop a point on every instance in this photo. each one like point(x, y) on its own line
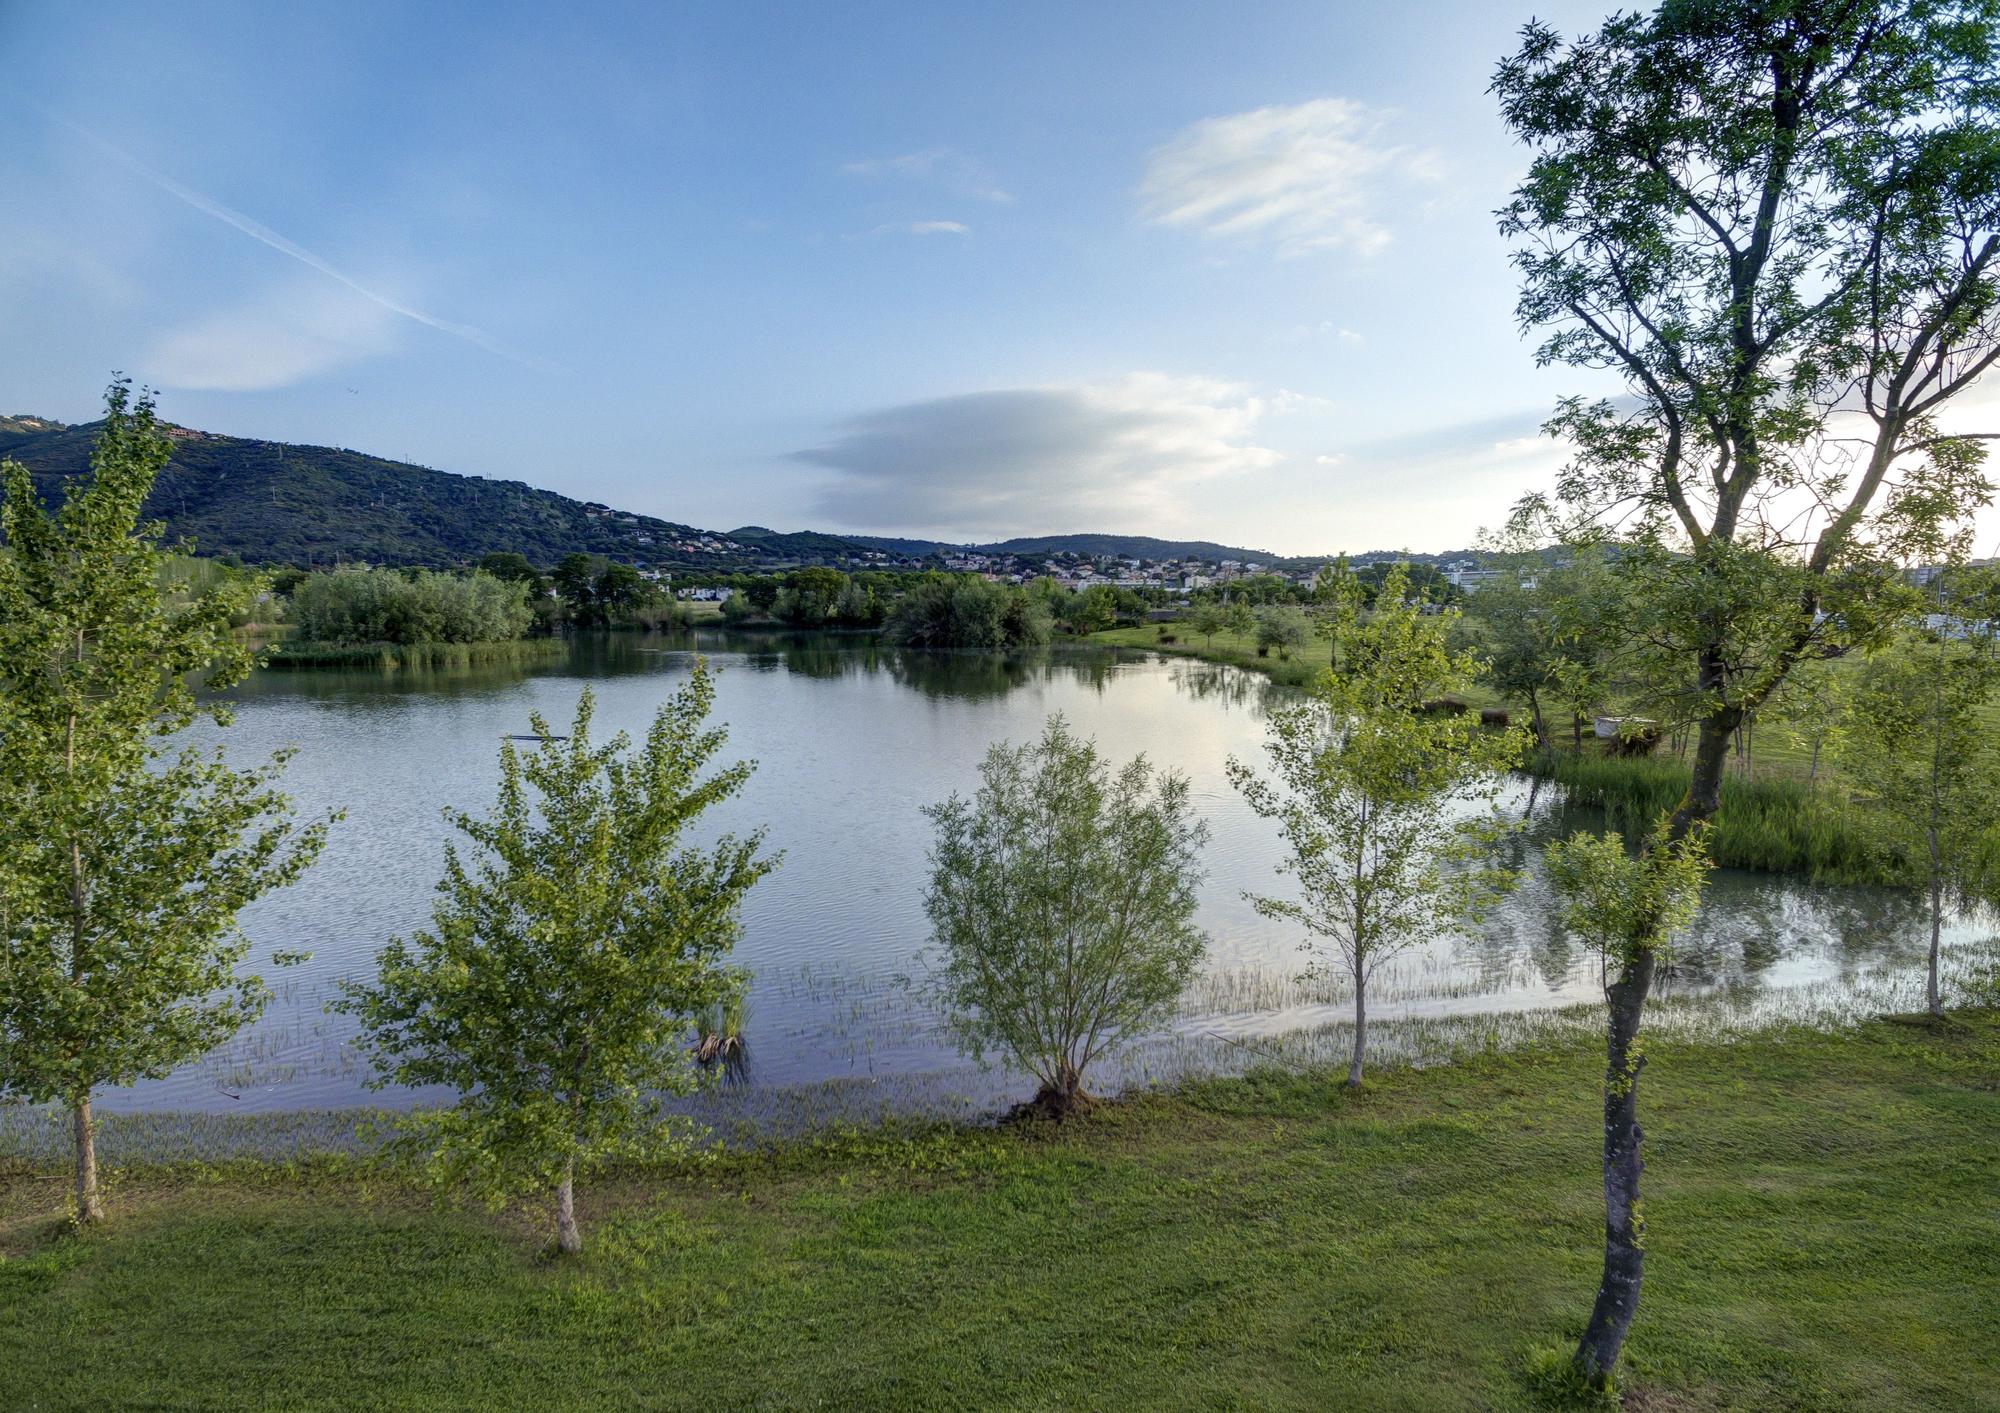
point(284, 503)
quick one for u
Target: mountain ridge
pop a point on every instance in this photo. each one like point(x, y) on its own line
point(297, 503)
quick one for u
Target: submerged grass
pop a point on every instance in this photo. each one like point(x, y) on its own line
point(1821, 1234)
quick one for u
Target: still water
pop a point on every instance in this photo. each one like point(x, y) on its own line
point(851, 740)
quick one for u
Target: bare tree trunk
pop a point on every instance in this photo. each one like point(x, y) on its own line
point(569, 1240)
point(1624, 1238)
point(1360, 1028)
point(89, 1205)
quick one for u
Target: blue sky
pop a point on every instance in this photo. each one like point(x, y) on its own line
point(969, 271)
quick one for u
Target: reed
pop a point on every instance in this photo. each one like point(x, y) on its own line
point(1778, 824)
point(389, 657)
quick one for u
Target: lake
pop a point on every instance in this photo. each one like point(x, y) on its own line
point(851, 740)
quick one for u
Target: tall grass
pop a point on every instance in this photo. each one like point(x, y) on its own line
point(1774, 825)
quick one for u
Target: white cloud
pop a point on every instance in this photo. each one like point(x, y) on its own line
point(924, 228)
point(1312, 176)
point(1120, 451)
point(294, 333)
point(1331, 458)
point(941, 166)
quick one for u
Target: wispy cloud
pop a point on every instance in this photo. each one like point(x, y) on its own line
point(262, 233)
point(1043, 458)
point(1312, 176)
point(941, 166)
point(924, 228)
point(301, 329)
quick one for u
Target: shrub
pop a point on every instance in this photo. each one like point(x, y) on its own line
point(384, 606)
point(1062, 903)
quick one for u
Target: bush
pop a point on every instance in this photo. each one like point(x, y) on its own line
point(1062, 903)
point(384, 606)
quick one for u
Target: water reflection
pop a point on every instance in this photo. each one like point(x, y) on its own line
point(852, 739)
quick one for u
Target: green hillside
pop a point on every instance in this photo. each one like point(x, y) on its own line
point(283, 503)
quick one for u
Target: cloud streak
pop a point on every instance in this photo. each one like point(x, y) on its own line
point(943, 166)
point(924, 228)
point(1047, 458)
point(1311, 176)
point(263, 234)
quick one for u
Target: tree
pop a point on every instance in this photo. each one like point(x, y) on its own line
point(1628, 909)
point(1922, 753)
point(1208, 619)
point(620, 591)
point(1369, 791)
point(1778, 224)
point(1089, 610)
point(575, 580)
point(513, 566)
point(809, 596)
point(567, 961)
point(1062, 903)
point(123, 864)
point(1813, 709)
point(1239, 618)
point(1282, 627)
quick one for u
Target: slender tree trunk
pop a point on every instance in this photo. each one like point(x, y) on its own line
point(1624, 1236)
point(1931, 995)
point(1541, 723)
point(569, 1240)
point(1360, 1028)
point(89, 1205)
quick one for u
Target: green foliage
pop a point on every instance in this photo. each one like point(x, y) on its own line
point(350, 606)
point(123, 864)
point(1062, 902)
point(1090, 610)
point(1619, 903)
point(1370, 791)
point(568, 960)
point(965, 611)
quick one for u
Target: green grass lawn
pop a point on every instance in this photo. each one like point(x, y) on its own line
point(1824, 1226)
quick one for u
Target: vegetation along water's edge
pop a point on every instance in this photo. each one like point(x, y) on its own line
point(1821, 1205)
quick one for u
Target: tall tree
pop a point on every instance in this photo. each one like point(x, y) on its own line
point(1778, 220)
point(566, 963)
point(123, 863)
point(1378, 799)
point(1062, 903)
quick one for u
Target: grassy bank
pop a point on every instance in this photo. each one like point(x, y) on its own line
point(1821, 1232)
point(390, 656)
